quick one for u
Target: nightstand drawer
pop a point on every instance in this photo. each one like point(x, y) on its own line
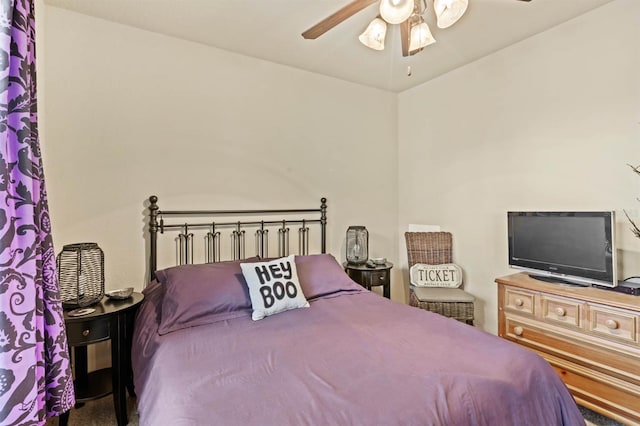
point(376, 278)
point(90, 331)
point(369, 278)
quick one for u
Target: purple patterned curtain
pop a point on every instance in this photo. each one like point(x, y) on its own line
point(35, 373)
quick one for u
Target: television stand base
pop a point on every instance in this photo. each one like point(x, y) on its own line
point(555, 280)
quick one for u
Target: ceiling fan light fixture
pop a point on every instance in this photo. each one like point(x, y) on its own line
point(449, 11)
point(373, 37)
point(396, 11)
point(420, 36)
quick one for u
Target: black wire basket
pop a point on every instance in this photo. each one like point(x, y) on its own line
point(80, 274)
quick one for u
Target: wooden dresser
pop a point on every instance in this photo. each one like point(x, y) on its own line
point(590, 336)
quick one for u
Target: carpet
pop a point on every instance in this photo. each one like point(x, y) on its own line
point(98, 412)
point(595, 419)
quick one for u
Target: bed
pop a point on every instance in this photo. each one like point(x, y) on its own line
point(347, 357)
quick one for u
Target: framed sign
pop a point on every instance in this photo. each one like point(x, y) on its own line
point(447, 275)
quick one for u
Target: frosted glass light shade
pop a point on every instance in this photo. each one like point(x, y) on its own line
point(373, 36)
point(396, 11)
point(357, 243)
point(449, 11)
point(420, 37)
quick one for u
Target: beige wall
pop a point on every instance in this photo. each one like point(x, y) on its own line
point(127, 113)
point(549, 123)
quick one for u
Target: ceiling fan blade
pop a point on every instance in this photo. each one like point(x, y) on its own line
point(404, 36)
point(333, 20)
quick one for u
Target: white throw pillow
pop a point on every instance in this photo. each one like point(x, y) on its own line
point(273, 286)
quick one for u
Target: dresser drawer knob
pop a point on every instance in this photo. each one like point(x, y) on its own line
point(518, 302)
point(518, 330)
point(85, 333)
point(612, 324)
point(560, 312)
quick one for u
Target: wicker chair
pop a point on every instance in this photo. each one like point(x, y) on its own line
point(434, 248)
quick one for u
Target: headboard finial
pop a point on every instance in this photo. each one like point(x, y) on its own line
point(323, 225)
point(153, 234)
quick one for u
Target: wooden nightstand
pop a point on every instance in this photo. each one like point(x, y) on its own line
point(370, 277)
point(111, 320)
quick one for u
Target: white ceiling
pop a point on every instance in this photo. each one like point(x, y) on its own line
point(270, 30)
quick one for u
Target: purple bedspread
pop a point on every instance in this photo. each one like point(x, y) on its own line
point(349, 359)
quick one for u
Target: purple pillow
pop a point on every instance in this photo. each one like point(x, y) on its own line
point(202, 294)
point(321, 275)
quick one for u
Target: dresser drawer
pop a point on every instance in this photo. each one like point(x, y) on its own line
point(595, 354)
point(519, 301)
point(560, 311)
point(610, 395)
point(90, 331)
point(614, 324)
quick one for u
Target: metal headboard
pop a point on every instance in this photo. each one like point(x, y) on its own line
point(261, 220)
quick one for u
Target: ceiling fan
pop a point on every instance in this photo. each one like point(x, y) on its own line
point(414, 32)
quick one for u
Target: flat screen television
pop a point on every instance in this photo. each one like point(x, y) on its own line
point(573, 247)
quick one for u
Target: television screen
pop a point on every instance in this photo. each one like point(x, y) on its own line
point(577, 247)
